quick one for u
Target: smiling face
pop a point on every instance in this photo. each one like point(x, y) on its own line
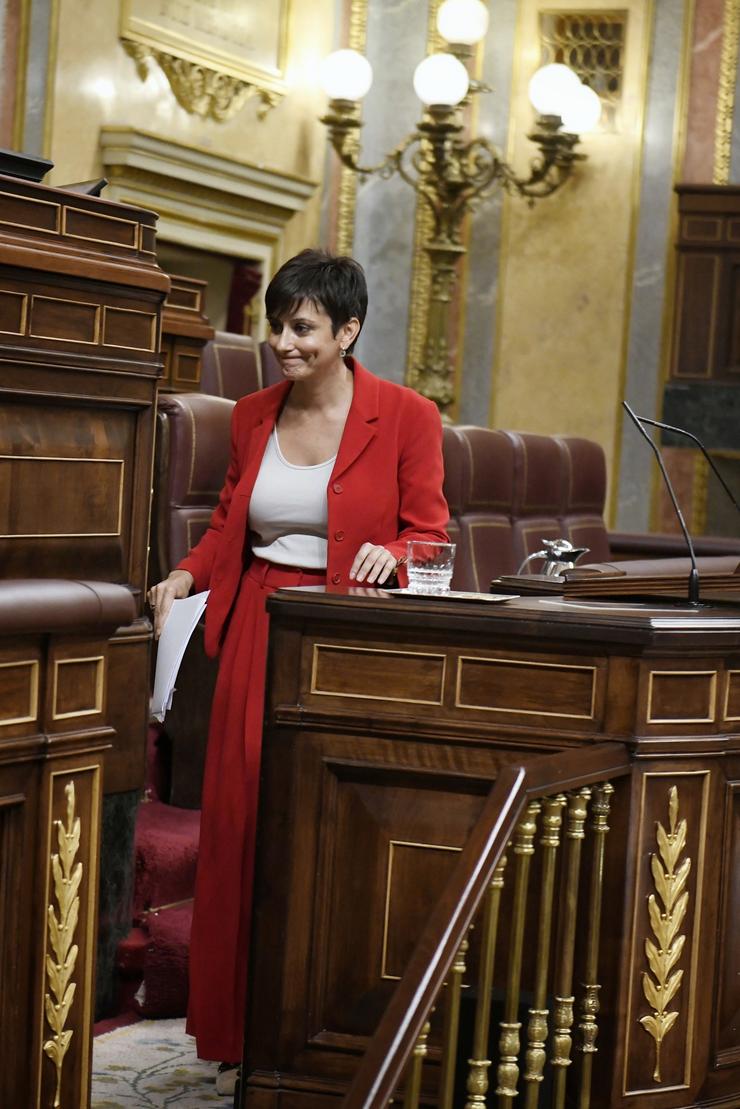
point(305, 344)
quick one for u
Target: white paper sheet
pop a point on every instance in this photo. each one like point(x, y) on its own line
point(178, 628)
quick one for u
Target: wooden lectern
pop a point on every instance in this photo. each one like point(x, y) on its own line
point(387, 720)
point(80, 306)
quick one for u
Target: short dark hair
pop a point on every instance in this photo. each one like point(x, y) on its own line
point(333, 282)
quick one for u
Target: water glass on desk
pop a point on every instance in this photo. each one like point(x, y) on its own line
point(429, 566)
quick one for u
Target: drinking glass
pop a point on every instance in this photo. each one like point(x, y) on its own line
point(430, 566)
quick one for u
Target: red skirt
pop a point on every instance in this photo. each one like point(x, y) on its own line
point(223, 889)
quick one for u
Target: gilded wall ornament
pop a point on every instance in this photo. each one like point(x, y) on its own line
point(199, 90)
point(662, 982)
point(63, 918)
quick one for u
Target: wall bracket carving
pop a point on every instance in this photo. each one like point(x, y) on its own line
point(662, 982)
point(199, 90)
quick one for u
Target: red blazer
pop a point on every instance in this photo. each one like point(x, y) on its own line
point(385, 488)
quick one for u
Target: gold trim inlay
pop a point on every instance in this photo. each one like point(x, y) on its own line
point(99, 687)
point(67, 875)
point(33, 226)
point(728, 683)
point(373, 696)
point(23, 297)
point(75, 304)
point(650, 719)
point(33, 692)
point(525, 662)
point(392, 844)
point(670, 878)
point(99, 216)
point(347, 193)
point(150, 316)
point(69, 534)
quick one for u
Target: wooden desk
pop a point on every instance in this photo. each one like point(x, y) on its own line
point(387, 720)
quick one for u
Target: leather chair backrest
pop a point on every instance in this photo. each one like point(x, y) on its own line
point(479, 485)
point(509, 490)
point(193, 445)
point(231, 366)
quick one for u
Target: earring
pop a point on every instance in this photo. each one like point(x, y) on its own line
point(342, 352)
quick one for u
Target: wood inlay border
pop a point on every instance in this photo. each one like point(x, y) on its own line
point(483, 660)
point(97, 707)
point(711, 674)
point(33, 692)
point(392, 844)
point(314, 689)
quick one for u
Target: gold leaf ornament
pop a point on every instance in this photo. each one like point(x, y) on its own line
point(62, 921)
point(661, 982)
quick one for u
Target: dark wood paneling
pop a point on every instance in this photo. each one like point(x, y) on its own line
point(727, 1036)
point(364, 800)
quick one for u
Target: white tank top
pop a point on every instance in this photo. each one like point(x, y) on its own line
point(288, 510)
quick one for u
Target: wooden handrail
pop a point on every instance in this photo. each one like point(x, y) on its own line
point(390, 1048)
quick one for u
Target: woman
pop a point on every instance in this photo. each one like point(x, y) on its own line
point(332, 471)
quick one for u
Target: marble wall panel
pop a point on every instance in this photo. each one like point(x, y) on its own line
point(10, 12)
point(706, 53)
point(384, 227)
point(483, 237)
point(566, 264)
point(653, 258)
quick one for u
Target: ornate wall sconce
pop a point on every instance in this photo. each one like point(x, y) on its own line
point(450, 171)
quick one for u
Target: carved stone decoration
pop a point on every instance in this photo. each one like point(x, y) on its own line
point(661, 983)
point(62, 920)
point(198, 89)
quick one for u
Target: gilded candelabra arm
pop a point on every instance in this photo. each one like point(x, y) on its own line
point(555, 164)
point(343, 123)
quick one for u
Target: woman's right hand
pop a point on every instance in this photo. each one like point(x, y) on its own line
point(160, 597)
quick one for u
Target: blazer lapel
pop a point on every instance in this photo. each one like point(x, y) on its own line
point(361, 426)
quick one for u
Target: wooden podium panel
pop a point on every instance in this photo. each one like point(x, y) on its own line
point(387, 721)
point(80, 321)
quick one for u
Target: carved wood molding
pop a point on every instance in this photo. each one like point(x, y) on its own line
point(201, 91)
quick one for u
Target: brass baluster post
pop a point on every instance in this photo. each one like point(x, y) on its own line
point(413, 1082)
point(587, 1025)
point(508, 1069)
point(477, 1084)
point(451, 1028)
point(563, 1013)
point(552, 819)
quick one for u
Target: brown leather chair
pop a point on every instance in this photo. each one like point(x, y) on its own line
point(234, 365)
point(193, 444)
point(509, 490)
point(231, 366)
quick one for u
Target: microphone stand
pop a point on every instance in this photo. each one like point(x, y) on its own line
point(702, 448)
point(694, 574)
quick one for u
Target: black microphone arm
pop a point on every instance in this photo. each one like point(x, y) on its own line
point(694, 574)
point(700, 445)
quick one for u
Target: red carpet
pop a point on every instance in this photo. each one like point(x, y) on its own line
point(166, 852)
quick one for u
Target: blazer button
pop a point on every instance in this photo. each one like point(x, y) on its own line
point(337, 487)
point(336, 578)
point(339, 536)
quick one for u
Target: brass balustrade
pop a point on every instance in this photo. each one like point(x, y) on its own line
point(538, 824)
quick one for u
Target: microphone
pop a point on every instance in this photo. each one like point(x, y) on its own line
point(702, 448)
point(694, 574)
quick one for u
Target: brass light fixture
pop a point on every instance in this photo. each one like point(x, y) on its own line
point(450, 171)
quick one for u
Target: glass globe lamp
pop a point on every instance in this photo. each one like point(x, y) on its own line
point(462, 21)
point(346, 75)
point(552, 88)
point(441, 80)
point(583, 111)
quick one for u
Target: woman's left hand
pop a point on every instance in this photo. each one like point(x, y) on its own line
point(372, 564)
